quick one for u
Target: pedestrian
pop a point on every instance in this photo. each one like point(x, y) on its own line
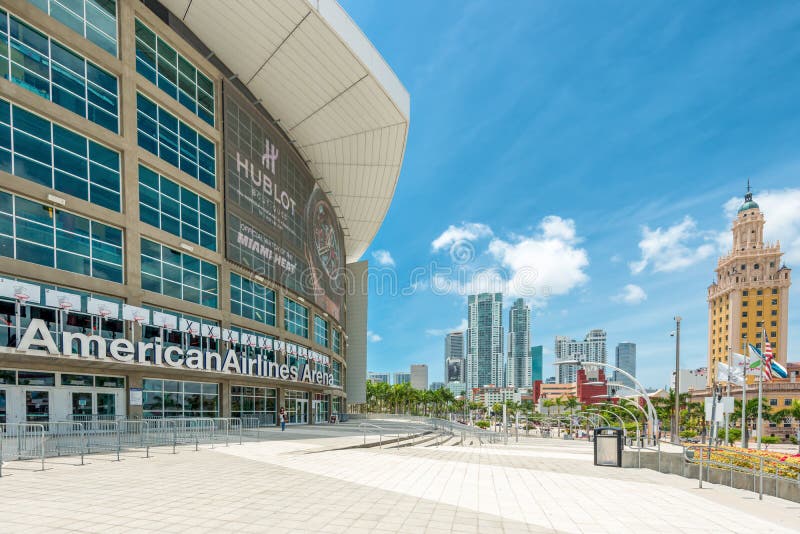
point(282, 416)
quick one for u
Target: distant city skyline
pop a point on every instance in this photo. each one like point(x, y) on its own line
point(618, 193)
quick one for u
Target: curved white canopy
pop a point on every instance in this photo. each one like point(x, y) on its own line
point(340, 103)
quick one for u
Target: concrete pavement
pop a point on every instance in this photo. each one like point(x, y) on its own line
point(295, 483)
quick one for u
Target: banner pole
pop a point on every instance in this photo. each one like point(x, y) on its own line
point(760, 389)
point(744, 391)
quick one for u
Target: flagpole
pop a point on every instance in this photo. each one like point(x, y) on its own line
point(758, 421)
point(744, 391)
point(728, 391)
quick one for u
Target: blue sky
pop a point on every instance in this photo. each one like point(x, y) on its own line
point(587, 157)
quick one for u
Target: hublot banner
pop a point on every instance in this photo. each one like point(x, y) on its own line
point(279, 221)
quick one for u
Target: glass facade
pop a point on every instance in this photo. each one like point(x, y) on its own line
point(174, 141)
point(34, 61)
point(39, 234)
point(254, 402)
point(51, 231)
point(252, 300)
point(94, 19)
point(179, 275)
point(175, 398)
point(251, 350)
point(45, 153)
point(295, 317)
point(76, 321)
point(337, 373)
point(296, 406)
point(320, 331)
point(173, 73)
point(179, 338)
point(177, 210)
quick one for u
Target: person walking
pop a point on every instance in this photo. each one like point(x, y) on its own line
point(282, 416)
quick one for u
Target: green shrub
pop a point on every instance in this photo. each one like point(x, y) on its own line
point(770, 440)
point(688, 434)
point(793, 440)
point(734, 434)
point(482, 424)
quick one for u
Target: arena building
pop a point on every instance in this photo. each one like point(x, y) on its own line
point(186, 190)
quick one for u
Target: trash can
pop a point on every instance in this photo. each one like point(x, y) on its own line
point(608, 444)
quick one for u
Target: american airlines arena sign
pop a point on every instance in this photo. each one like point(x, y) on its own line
point(38, 337)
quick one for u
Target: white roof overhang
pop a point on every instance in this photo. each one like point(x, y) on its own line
point(331, 91)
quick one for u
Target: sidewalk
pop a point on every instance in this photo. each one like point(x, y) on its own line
point(293, 485)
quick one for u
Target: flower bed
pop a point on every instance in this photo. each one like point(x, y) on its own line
point(781, 464)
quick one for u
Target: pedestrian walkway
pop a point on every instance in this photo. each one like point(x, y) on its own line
point(297, 484)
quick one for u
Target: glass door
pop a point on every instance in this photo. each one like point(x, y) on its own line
point(106, 405)
point(81, 405)
point(37, 406)
point(302, 411)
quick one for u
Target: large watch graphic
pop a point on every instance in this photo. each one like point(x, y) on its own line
point(324, 253)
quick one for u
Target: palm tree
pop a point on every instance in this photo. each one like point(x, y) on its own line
point(559, 401)
point(665, 407)
point(794, 412)
point(547, 403)
point(571, 404)
point(750, 415)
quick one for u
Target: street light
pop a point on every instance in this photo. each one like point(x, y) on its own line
point(636, 394)
point(676, 419)
point(598, 414)
point(621, 422)
point(621, 407)
point(653, 417)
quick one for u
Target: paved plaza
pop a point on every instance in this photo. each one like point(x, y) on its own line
point(297, 483)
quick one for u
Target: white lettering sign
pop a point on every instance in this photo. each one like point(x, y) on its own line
point(38, 338)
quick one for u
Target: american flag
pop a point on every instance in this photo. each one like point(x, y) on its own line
point(768, 356)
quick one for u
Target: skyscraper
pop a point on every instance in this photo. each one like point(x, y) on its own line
point(401, 377)
point(591, 349)
point(537, 362)
point(419, 376)
point(625, 360)
point(519, 345)
point(750, 294)
point(378, 377)
point(485, 340)
point(454, 357)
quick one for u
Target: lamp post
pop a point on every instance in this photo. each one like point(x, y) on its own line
point(676, 418)
point(653, 416)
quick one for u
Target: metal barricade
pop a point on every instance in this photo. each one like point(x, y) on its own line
point(65, 438)
point(102, 436)
point(194, 431)
point(134, 434)
point(22, 441)
point(161, 432)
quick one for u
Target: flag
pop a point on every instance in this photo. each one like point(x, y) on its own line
point(755, 361)
point(779, 370)
point(736, 361)
point(768, 357)
point(726, 373)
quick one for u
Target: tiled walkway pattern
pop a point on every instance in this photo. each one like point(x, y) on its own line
point(294, 485)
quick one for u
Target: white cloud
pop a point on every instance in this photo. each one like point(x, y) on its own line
point(543, 264)
point(782, 220)
point(383, 258)
point(616, 258)
point(546, 262)
point(630, 294)
point(669, 249)
point(465, 232)
point(444, 331)
point(372, 337)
